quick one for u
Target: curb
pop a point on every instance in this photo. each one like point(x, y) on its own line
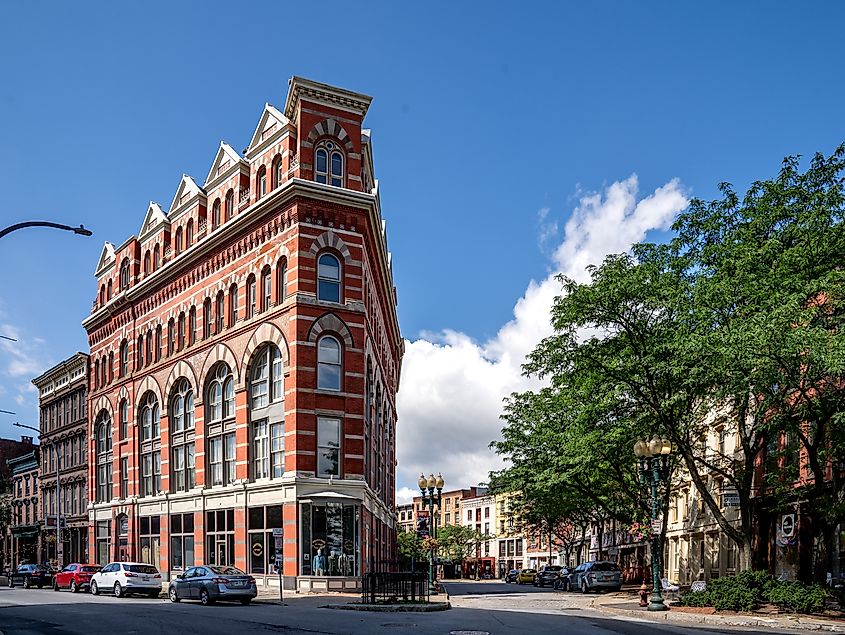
point(391, 608)
point(807, 624)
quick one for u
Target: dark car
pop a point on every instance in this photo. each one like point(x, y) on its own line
point(596, 575)
point(28, 575)
point(510, 576)
point(562, 581)
point(210, 583)
point(547, 575)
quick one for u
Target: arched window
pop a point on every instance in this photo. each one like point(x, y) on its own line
point(215, 214)
point(220, 395)
point(108, 290)
point(328, 164)
point(219, 408)
point(277, 172)
point(156, 258)
point(158, 343)
point(266, 387)
point(171, 336)
point(266, 378)
point(233, 305)
point(261, 182)
point(266, 288)
point(124, 274)
point(96, 377)
point(180, 332)
point(328, 278)
point(329, 365)
point(182, 407)
point(147, 262)
point(250, 295)
point(102, 432)
point(189, 233)
point(178, 241)
point(230, 204)
point(124, 358)
point(281, 280)
point(221, 311)
point(148, 417)
point(207, 319)
point(192, 326)
point(102, 295)
point(149, 347)
point(124, 418)
point(139, 353)
point(111, 366)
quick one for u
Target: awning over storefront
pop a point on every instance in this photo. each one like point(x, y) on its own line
point(25, 531)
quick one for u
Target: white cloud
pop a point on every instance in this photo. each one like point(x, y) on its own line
point(20, 361)
point(452, 387)
point(405, 495)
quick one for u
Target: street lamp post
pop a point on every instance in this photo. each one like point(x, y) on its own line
point(59, 547)
point(654, 467)
point(44, 223)
point(433, 502)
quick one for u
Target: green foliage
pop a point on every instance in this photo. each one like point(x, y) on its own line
point(457, 543)
point(747, 590)
point(410, 545)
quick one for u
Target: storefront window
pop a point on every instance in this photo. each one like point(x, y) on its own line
point(181, 541)
point(330, 539)
point(220, 537)
point(150, 539)
point(262, 551)
point(103, 546)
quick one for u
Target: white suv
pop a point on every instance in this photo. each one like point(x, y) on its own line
point(122, 578)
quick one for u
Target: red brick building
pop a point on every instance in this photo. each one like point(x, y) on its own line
point(245, 357)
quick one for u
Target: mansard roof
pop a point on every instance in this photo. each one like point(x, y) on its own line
point(269, 118)
point(187, 190)
point(226, 155)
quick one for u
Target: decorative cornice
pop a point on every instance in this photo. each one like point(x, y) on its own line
point(323, 93)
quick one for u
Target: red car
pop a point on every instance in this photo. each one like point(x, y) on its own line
point(75, 577)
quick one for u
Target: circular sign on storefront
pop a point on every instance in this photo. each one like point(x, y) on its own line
point(257, 549)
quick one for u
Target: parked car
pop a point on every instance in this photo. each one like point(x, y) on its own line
point(510, 576)
point(29, 575)
point(562, 580)
point(208, 584)
point(547, 575)
point(525, 576)
point(596, 575)
point(74, 577)
point(123, 578)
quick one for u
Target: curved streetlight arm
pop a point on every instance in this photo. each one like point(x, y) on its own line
point(43, 223)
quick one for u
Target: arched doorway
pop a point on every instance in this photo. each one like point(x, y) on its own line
point(122, 541)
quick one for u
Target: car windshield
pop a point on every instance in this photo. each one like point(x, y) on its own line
point(553, 567)
point(227, 570)
point(89, 569)
point(605, 566)
point(141, 568)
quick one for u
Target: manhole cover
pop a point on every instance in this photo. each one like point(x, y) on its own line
point(469, 633)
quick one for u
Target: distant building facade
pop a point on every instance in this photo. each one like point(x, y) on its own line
point(62, 396)
point(25, 539)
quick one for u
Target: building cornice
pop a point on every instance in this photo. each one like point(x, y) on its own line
point(332, 96)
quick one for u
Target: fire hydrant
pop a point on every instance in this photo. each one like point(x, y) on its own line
point(643, 594)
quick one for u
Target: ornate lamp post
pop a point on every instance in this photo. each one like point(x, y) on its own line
point(654, 467)
point(433, 501)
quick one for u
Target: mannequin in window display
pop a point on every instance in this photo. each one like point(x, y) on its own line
point(320, 563)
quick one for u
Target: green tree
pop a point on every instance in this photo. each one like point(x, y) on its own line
point(457, 542)
point(411, 546)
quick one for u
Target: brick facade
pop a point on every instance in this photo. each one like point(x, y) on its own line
point(225, 283)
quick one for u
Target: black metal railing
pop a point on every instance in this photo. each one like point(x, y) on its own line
point(394, 586)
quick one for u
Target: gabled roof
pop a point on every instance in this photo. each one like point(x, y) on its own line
point(155, 216)
point(269, 118)
point(106, 258)
point(226, 156)
point(187, 189)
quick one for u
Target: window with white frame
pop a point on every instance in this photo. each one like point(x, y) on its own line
point(328, 164)
point(328, 278)
point(328, 447)
point(149, 418)
point(329, 364)
point(103, 433)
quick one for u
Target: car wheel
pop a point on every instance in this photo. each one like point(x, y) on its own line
point(73, 587)
point(205, 598)
point(55, 585)
point(584, 588)
point(118, 590)
point(174, 597)
point(95, 590)
point(26, 583)
point(246, 601)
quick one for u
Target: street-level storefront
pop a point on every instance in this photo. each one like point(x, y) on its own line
point(481, 568)
point(26, 544)
point(324, 533)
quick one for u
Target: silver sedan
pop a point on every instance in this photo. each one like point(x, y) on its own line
point(211, 583)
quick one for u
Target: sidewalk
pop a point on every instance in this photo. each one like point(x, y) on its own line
point(624, 604)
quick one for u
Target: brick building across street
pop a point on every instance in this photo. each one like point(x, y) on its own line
point(245, 357)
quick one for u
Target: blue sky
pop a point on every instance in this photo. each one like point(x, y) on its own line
point(484, 114)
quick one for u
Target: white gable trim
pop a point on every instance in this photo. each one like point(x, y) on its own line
point(226, 158)
point(189, 187)
point(153, 219)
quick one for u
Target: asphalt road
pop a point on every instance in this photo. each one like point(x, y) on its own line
point(480, 608)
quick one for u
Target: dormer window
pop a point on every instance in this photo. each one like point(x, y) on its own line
point(328, 166)
point(215, 215)
point(124, 275)
point(262, 181)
